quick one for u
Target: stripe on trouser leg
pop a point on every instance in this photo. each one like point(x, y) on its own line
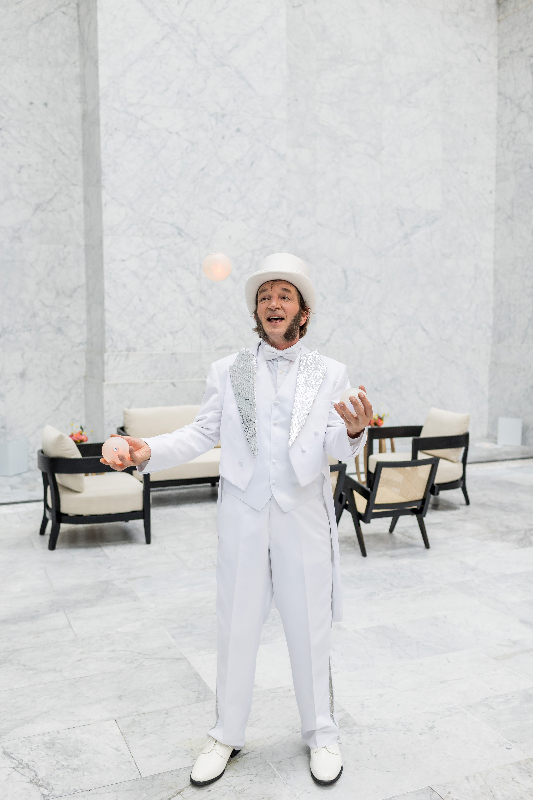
point(331, 698)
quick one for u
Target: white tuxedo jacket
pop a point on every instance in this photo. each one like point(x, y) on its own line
point(228, 414)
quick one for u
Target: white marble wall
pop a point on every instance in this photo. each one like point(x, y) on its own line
point(359, 134)
point(512, 350)
point(355, 133)
point(42, 304)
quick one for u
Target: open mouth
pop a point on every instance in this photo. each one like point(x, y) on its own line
point(275, 319)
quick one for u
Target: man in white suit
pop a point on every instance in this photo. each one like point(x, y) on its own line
point(276, 410)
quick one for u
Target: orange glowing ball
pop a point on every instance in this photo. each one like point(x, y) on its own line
point(113, 448)
point(216, 266)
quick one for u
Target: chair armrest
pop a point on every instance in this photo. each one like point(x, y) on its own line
point(350, 483)
point(74, 466)
point(394, 432)
point(90, 449)
point(438, 443)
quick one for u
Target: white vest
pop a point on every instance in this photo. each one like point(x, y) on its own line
point(273, 473)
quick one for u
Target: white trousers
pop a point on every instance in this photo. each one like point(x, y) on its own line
point(287, 555)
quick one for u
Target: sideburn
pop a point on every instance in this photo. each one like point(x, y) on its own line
point(291, 333)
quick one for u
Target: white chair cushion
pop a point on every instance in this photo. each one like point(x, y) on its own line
point(386, 457)
point(109, 493)
point(58, 445)
point(146, 422)
point(445, 423)
point(205, 466)
point(447, 471)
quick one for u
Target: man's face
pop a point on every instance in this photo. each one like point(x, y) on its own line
point(277, 306)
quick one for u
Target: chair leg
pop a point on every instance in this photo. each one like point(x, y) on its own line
point(341, 502)
point(147, 526)
point(54, 533)
point(393, 524)
point(44, 523)
point(423, 531)
point(463, 489)
point(359, 533)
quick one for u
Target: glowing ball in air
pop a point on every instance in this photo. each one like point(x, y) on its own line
point(113, 448)
point(216, 266)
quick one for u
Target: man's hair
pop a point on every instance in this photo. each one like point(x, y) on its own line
point(301, 311)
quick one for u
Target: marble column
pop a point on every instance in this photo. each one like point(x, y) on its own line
point(512, 333)
point(42, 280)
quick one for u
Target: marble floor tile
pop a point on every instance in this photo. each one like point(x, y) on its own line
point(98, 620)
point(419, 794)
point(41, 629)
point(168, 739)
point(488, 630)
point(510, 715)
point(433, 654)
point(67, 703)
point(428, 684)
point(56, 661)
point(79, 758)
point(398, 606)
point(510, 782)
point(165, 786)
point(396, 756)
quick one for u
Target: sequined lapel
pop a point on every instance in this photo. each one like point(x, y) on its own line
point(242, 375)
point(311, 373)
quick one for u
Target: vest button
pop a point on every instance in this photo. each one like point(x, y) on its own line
point(241, 462)
point(304, 449)
point(273, 482)
point(274, 423)
point(276, 402)
point(316, 433)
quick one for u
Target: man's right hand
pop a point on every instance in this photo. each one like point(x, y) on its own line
point(139, 452)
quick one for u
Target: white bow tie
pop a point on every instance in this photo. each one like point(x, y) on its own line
point(271, 353)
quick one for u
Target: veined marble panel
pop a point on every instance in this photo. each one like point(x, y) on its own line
point(151, 298)
point(512, 342)
point(33, 399)
point(43, 296)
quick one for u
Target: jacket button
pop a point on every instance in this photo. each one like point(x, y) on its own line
point(273, 482)
point(276, 402)
point(241, 463)
point(274, 423)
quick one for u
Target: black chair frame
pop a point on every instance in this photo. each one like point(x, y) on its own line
point(440, 443)
point(89, 462)
point(339, 496)
point(419, 444)
point(374, 510)
point(213, 480)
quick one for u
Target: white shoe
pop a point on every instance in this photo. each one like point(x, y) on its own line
point(211, 763)
point(326, 764)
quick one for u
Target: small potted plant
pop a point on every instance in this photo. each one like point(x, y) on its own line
point(78, 436)
point(378, 420)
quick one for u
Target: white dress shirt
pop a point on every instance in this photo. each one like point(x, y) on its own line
point(280, 362)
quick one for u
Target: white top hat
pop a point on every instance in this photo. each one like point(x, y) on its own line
point(285, 267)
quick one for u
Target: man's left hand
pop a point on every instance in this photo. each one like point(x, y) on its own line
point(359, 417)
